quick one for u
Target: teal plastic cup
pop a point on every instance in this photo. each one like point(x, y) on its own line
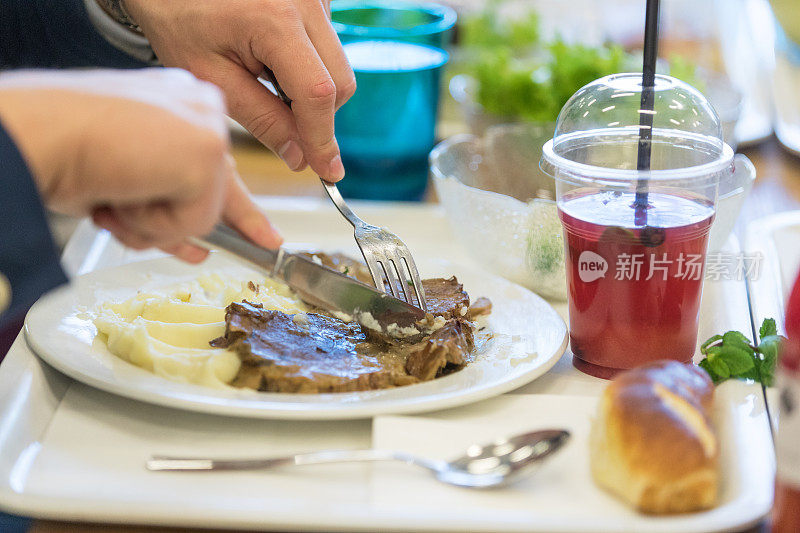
point(387, 129)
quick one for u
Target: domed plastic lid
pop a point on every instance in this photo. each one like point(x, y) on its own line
point(597, 134)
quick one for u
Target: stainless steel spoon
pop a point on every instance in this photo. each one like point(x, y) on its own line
point(481, 466)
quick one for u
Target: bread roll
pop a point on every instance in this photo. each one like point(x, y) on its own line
point(653, 443)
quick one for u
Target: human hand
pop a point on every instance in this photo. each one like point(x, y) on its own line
point(145, 153)
point(230, 43)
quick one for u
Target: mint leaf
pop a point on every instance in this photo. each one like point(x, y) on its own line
point(720, 369)
point(767, 328)
point(734, 338)
point(754, 373)
point(736, 359)
point(705, 365)
point(712, 340)
point(769, 347)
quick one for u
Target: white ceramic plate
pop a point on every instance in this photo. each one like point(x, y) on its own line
point(529, 337)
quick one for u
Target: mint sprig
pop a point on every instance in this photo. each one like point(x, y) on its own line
point(767, 328)
point(732, 355)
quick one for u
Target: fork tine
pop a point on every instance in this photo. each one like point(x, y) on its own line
point(394, 281)
point(405, 278)
point(411, 267)
point(376, 271)
point(406, 283)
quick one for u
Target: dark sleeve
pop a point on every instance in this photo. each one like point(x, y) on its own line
point(28, 256)
point(54, 34)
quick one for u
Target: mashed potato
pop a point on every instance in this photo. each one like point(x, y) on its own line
point(167, 331)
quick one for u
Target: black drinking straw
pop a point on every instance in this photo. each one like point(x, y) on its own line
point(646, 108)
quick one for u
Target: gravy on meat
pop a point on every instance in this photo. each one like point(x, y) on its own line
point(316, 353)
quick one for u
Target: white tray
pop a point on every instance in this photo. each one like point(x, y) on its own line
point(71, 452)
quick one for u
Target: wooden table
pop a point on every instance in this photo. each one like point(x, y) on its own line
point(777, 188)
point(265, 174)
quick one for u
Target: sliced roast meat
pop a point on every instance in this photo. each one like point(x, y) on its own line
point(316, 353)
point(304, 353)
point(451, 345)
point(445, 296)
point(481, 306)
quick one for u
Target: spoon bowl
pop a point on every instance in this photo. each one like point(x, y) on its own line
point(504, 460)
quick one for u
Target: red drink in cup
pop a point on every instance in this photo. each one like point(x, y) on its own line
point(634, 290)
point(635, 269)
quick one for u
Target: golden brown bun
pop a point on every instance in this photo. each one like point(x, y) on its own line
point(653, 443)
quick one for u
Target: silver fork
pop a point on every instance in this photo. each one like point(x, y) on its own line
point(387, 257)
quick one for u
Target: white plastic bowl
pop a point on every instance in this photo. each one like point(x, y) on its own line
point(501, 205)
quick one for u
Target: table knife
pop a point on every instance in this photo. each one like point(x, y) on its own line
point(316, 284)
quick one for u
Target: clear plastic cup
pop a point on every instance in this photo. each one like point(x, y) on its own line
point(635, 240)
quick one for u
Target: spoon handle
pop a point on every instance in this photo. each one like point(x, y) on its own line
point(165, 463)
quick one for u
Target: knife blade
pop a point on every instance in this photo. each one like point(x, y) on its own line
point(317, 284)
